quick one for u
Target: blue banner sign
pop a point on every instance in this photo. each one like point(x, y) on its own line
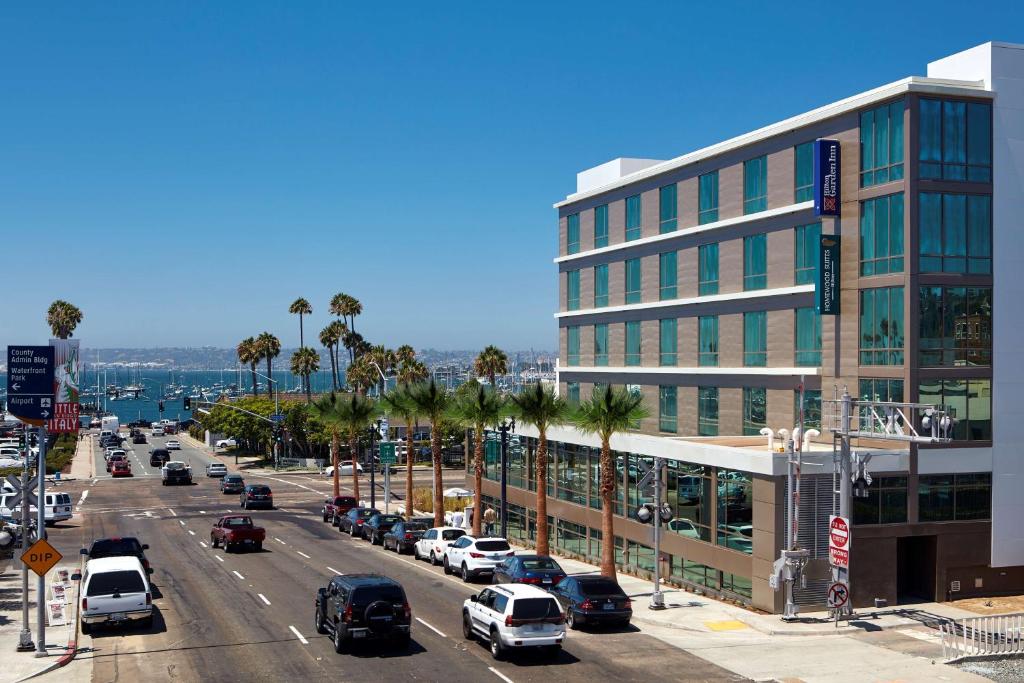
point(30, 389)
point(826, 289)
point(826, 177)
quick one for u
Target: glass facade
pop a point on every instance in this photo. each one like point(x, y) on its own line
point(667, 275)
point(807, 243)
point(881, 235)
point(755, 339)
point(601, 226)
point(755, 410)
point(968, 400)
point(572, 290)
point(881, 390)
point(812, 407)
point(955, 326)
point(881, 326)
point(954, 497)
point(707, 411)
point(707, 200)
point(601, 344)
point(955, 233)
point(668, 208)
point(633, 342)
point(688, 493)
point(886, 502)
point(707, 341)
point(707, 269)
point(667, 409)
point(633, 281)
point(601, 285)
point(572, 343)
point(633, 217)
point(572, 393)
point(807, 337)
point(755, 262)
point(755, 184)
point(803, 176)
point(572, 233)
point(735, 511)
point(668, 349)
point(881, 144)
point(955, 140)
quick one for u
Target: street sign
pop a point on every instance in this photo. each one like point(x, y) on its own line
point(839, 541)
point(30, 394)
point(41, 556)
point(277, 417)
point(387, 453)
point(838, 594)
point(826, 288)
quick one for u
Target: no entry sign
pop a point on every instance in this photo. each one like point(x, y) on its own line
point(839, 541)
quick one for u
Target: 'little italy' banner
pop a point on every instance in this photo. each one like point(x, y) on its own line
point(66, 376)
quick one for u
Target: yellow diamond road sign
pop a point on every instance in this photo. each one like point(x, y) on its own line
point(41, 556)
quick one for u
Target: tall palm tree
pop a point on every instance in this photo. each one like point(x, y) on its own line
point(353, 342)
point(539, 406)
point(492, 361)
point(63, 317)
point(608, 412)
point(326, 411)
point(304, 363)
point(477, 408)
point(400, 403)
point(338, 331)
point(270, 348)
point(434, 401)
point(347, 308)
point(412, 372)
point(249, 354)
point(356, 413)
point(405, 354)
point(386, 360)
point(330, 339)
point(300, 307)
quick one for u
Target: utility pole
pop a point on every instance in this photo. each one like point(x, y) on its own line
point(504, 428)
point(373, 468)
point(657, 597)
point(25, 643)
point(40, 534)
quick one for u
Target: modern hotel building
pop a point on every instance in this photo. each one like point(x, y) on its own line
point(692, 281)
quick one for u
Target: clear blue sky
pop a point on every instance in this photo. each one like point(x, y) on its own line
point(191, 168)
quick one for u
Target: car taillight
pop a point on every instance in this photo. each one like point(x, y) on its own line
point(477, 556)
point(586, 604)
point(629, 603)
point(359, 521)
point(250, 494)
point(145, 563)
point(347, 615)
point(85, 604)
point(408, 537)
point(149, 599)
point(529, 579)
point(407, 610)
point(511, 554)
point(555, 580)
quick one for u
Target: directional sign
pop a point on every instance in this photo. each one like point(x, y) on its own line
point(387, 453)
point(277, 417)
point(30, 393)
point(41, 556)
point(839, 541)
point(838, 594)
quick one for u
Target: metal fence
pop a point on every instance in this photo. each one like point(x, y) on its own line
point(982, 637)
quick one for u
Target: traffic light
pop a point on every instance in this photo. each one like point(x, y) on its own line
point(188, 403)
point(33, 439)
point(160, 406)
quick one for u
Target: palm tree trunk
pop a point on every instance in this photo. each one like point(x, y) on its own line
point(335, 447)
point(607, 509)
point(353, 445)
point(309, 390)
point(542, 493)
point(270, 373)
point(334, 369)
point(408, 470)
point(255, 388)
point(478, 475)
point(435, 453)
point(302, 343)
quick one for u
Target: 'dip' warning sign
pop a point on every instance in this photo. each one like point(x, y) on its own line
point(41, 556)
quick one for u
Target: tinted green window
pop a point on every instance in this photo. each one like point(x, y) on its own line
point(707, 411)
point(881, 144)
point(881, 235)
point(601, 285)
point(667, 410)
point(968, 400)
point(881, 326)
point(807, 241)
point(667, 275)
point(633, 281)
point(572, 343)
point(755, 262)
point(707, 269)
point(572, 233)
point(707, 341)
point(572, 393)
point(572, 290)
point(667, 208)
point(601, 226)
point(754, 410)
point(886, 502)
point(955, 326)
point(755, 184)
point(601, 344)
point(755, 339)
point(886, 390)
point(633, 342)
point(707, 201)
point(668, 341)
point(955, 140)
point(808, 337)
point(812, 407)
point(633, 217)
point(954, 497)
point(955, 233)
point(803, 181)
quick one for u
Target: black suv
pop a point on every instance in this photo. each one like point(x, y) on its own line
point(158, 457)
point(378, 525)
point(118, 546)
point(363, 607)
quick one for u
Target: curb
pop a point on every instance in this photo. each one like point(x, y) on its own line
point(71, 651)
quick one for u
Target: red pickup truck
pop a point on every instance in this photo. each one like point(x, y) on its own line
point(335, 508)
point(235, 531)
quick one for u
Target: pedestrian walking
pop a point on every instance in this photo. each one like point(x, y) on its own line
point(489, 517)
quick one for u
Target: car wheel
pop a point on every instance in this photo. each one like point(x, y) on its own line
point(86, 629)
point(447, 569)
point(213, 542)
point(325, 517)
point(339, 640)
point(433, 559)
point(570, 619)
point(466, 576)
point(497, 649)
point(467, 627)
point(259, 546)
point(352, 531)
point(318, 622)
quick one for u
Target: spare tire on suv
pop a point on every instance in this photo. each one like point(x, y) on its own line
point(363, 607)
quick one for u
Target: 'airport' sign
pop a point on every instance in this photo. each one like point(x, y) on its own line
point(30, 395)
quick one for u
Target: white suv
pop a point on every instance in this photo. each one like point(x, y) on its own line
point(115, 590)
point(434, 541)
point(513, 616)
point(470, 556)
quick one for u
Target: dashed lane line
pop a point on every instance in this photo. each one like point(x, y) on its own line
point(171, 510)
point(279, 540)
point(219, 558)
point(192, 532)
point(431, 628)
point(181, 522)
point(303, 554)
point(202, 544)
point(263, 598)
point(500, 675)
point(306, 642)
point(332, 569)
point(235, 572)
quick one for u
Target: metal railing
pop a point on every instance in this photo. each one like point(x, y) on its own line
point(917, 422)
point(982, 637)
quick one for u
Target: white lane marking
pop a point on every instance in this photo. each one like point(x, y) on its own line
point(263, 598)
point(202, 544)
point(237, 574)
point(279, 540)
point(85, 494)
point(181, 521)
point(202, 512)
point(303, 554)
point(431, 627)
point(192, 532)
point(500, 675)
point(306, 642)
point(171, 510)
point(219, 558)
point(332, 569)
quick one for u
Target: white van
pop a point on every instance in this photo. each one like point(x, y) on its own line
point(57, 508)
point(115, 590)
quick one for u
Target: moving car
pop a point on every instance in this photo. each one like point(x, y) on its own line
point(512, 617)
point(232, 483)
point(593, 600)
point(432, 544)
point(226, 443)
point(256, 495)
point(118, 546)
point(539, 570)
point(353, 520)
point(139, 438)
point(111, 452)
point(115, 590)
point(378, 525)
point(344, 469)
point(158, 457)
point(402, 537)
point(172, 445)
point(363, 607)
point(216, 469)
point(234, 531)
point(175, 472)
point(121, 468)
point(471, 556)
point(158, 430)
point(334, 508)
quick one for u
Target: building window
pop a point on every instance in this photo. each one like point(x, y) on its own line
point(881, 144)
point(688, 494)
point(807, 337)
point(633, 342)
point(601, 285)
point(812, 407)
point(668, 209)
point(570, 476)
point(601, 344)
point(633, 281)
point(707, 411)
point(707, 341)
point(881, 390)
point(968, 400)
point(572, 233)
point(881, 235)
point(803, 177)
point(572, 343)
point(754, 410)
point(601, 226)
point(881, 326)
point(886, 502)
point(755, 262)
point(755, 339)
point(572, 393)
point(667, 409)
point(707, 200)
point(956, 140)
point(633, 217)
point(707, 269)
point(667, 275)
point(735, 511)
point(954, 497)
point(808, 241)
point(737, 585)
point(956, 326)
point(755, 184)
point(668, 339)
point(955, 232)
point(572, 290)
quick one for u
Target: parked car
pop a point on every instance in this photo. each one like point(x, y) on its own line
point(172, 445)
point(539, 570)
point(471, 556)
point(175, 472)
point(353, 520)
point(232, 483)
point(593, 600)
point(363, 607)
point(118, 546)
point(334, 508)
point(514, 617)
point(216, 469)
point(121, 468)
point(435, 541)
point(226, 443)
point(256, 495)
point(402, 537)
point(344, 469)
point(237, 531)
point(158, 457)
point(139, 438)
point(115, 590)
point(373, 529)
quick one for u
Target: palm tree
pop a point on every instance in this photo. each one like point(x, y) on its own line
point(356, 413)
point(352, 341)
point(63, 317)
point(270, 348)
point(360, 375)
point(478, 407)
point(608, 412)
point(405, 354)
point(539, 406)
point(491, 361)
point(301, 307)
point(347, 308)
point(326, 411)
point(386, 360)
point(330, 339)
point(433, 401)
point(399, 402)
point(412, 372)
point(249, 353)
point(338, 332)
point(304, 363)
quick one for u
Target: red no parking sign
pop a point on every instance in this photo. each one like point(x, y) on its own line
point(839, 541)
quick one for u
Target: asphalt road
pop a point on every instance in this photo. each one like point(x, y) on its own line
point(249, 616)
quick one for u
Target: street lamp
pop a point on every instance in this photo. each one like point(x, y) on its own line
point(374, 430)
point(383, 378)
point(505, 427)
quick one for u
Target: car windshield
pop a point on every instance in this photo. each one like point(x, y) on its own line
point(535, 608)
point(600, 588)
point(364, 595)
point(261, 490)
point(540, 563)
point(114, 547)
point(366, 514)
point(415, 526)
point(492, 545)
point(452, 534)
point(390, 519)
point(345, 500)
point(232, 478)
point(175, 465)
point(108, 583)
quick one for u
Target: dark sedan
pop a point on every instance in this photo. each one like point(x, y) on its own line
point(403, 536)
point(354, 519)
point(378, 525)
point(256, 495)
point(539, 570)
point(593, 600)
point(232, 483)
